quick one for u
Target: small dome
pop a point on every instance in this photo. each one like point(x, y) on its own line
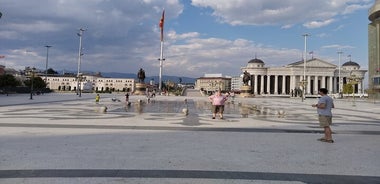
point(351, 63)
point(256, 61)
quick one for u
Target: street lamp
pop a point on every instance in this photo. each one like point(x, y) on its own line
point(31, 82)
point(340, 80)
point(47, 60)
point(81, 30)
point(303, 82)
point(80, 79)
point(353, 80)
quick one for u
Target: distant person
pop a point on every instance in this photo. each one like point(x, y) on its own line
point(233, 96)
point(127, 97)
point(324, 106)
point(217, 101)
point(97, 98)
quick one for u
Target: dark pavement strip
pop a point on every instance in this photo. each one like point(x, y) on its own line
point(190, 174)
point(215, 129)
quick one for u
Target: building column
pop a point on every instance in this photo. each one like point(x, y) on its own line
point(360, 87)
point(334, 85)
point(292, 82)
point(331, 84)
point(283, 85)
point(323, 84)
point(262, 85)
point(308, 91)
point(255, 85)
point(268, 84)
point(316, 84)
point(276, 84)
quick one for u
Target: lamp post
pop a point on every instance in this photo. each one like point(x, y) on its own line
point(47, 60)
point(303, 83)
point(340, 80)
point(31, 82)
point(353, 80)
point(81, 30)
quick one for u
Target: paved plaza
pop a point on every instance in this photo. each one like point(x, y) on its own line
point(63, 138)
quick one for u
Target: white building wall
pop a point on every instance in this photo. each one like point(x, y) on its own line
point(69, 83)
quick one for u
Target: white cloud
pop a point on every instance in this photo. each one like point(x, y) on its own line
point(36, 27)
point(338, 47)
point(284, 13)
point(317, 24)
point(172, 35)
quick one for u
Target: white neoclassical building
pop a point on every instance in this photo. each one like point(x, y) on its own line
point(288, 79)
point(90, 83)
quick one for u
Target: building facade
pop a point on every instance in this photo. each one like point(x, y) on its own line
point(288, 79)
point(374, 48)
point(236, 83)
point(90, 83)
point(213, 82)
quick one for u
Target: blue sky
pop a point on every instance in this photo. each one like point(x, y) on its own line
point(201, 36)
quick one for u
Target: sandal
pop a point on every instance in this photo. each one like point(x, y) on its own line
point(322, 139)
point(328, 141)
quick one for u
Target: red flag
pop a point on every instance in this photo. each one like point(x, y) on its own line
point(161, 24)
point(2, 56)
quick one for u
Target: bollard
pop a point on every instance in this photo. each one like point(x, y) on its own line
point(103, 109)
point(185, 111)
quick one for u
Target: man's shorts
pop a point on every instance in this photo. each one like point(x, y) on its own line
point(217, 108)
point(325, 121)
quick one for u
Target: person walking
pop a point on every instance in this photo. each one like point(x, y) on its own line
point(127, 97)
point(324, 106)
point(217, 101)
point(97, 98)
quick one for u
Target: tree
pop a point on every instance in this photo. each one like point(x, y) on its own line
point(348, 89)
point(51, 71)
point(38, 83)
point(8, 80)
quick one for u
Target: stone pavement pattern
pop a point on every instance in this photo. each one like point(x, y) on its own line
point(61, 138)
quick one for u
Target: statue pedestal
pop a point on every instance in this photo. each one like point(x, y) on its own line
point(245, 91)
point(140, 89)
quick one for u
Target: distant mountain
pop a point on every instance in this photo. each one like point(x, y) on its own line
point(175, 79)
point(119, 75)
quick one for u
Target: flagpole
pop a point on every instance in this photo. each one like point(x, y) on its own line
point(161, 25)
point(161, 60)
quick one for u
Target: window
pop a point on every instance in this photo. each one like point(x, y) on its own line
point(376, 80)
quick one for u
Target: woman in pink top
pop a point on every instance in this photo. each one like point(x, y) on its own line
point(217, 101)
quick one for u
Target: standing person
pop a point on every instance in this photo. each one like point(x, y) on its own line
point(233, 96)
point(97, 98)
point(217, 101)
point(324, 106)
point(127, 97)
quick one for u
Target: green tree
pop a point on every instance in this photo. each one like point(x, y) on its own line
point(8, 80)
point(38, 83)
point(348, 89)
point(51, 71)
